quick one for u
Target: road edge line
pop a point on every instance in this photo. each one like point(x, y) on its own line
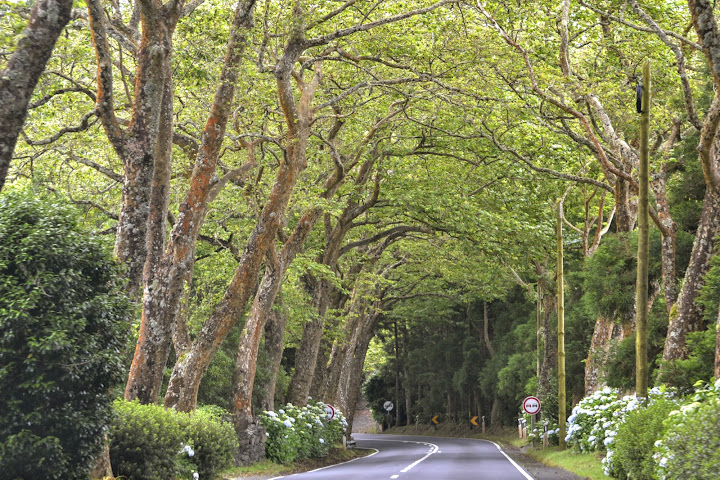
point(329, 466)
point(514, 463)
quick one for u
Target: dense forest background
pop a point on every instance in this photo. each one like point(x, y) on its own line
point(311, 196)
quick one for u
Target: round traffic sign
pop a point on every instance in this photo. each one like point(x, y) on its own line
point(330, 410)
point(531, 405)
point(388, 405)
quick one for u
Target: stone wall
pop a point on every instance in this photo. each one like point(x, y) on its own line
point(252, 443)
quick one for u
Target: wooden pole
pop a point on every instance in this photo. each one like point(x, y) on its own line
point(641, 289)
point(561, 328)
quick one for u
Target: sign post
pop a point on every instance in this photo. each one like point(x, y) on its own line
point(388, 406)
point(531, 406)
point(330, 410)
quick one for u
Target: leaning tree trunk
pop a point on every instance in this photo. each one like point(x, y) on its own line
point(144, 138)
point(605, 328)
point(165, 279)
point(274, 340)
point(351, 377)
point(689, 314)
point(246, 362)
point(189, 370)
point(22, 72)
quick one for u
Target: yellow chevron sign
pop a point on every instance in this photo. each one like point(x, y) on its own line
point(434, 419)
point(473, 421)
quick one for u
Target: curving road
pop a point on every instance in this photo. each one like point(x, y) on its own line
point(422, 458)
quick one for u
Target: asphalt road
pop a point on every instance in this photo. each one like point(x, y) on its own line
point(422, 458)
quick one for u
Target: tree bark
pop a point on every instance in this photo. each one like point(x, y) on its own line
point(689, 315)
point(188, 371)
point(22, 72)
point(165, 279)
point(274, 340)
point(139, 145)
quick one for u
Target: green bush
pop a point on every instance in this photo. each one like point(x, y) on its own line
point(301, 432)
point(62, 328)
point(684, 373)
point(145, 441)
point(633, 446)
point(210, 432)
point(593, 417)
point(150, 442)
point(689, 449)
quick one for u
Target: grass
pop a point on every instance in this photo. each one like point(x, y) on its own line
point(584, 464)
point(267, 468)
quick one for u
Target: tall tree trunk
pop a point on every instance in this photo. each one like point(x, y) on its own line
point(189, 370)
point(351, 377)
point(246, 363)
point(605, 329)
point(22, 72)
point(165, 279)
point(407, 382)
point(689, 315)
point(139, 145)
point(688, 318)
point(306, 355)
point(274, 340)
point(549, 343)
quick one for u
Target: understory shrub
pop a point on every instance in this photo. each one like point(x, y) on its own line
point(148, 442)
point(630, 451)
point(211, 433)
point(689, 449)
point(593, 417)
point(301, 432)
point(62, 328)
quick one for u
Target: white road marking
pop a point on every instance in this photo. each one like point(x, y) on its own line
point(433, 449)
point(519, 468)
point(329, 466)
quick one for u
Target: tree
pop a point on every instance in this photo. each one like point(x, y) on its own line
point(21, 74)
point(62, 320)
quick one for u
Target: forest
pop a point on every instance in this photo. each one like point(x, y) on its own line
point(355, 200)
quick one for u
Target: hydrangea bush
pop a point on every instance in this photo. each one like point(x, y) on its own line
point(641, 443)
point(301, 432)
point(691, 441)
point(630, 447)
point(595, 419)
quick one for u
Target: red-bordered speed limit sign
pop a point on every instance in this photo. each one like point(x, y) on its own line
point(531, 405)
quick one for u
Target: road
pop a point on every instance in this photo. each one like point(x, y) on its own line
point(422, 458)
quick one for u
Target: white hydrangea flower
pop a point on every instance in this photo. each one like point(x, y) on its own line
point(188, 450)
point(287, 423)
point(322, 441)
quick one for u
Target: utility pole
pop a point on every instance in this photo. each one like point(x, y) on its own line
point(561, 328)
point(641, 288)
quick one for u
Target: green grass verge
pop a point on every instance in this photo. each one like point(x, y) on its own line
point(268, 469)
point(586, 465)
